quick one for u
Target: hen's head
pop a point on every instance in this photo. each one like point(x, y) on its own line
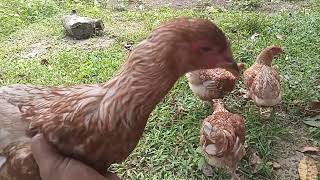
point(275, 50)
point(194, 44)
point(267, 55)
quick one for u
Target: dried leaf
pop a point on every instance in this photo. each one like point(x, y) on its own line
point(276, 165)
point(313, 121)
point(254, 36)
point(255, 159)
point(44, 62)
point(308, 169)
point(310, 149)
point(313, 107)
point(313, 118)
point(129, 46)
point(280, 37)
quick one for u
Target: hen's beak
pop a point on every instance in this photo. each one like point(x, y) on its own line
point(232, 67)
point(235, 67)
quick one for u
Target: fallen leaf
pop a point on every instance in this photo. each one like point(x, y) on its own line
point(129, 46)
point(276, 165)
point(280, 37)
point(309, 149)
point(255, 159)
point(313, 121)
point(44, 62)
point(313, 107)
point(308, 169)
point(254, 36)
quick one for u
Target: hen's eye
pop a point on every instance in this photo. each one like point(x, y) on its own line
point(206, 49)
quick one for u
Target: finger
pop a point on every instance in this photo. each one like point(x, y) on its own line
point(44, 154)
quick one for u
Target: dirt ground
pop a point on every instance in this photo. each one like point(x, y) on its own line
point(269, 6)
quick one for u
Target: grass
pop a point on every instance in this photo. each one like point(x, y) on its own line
point(168, 148)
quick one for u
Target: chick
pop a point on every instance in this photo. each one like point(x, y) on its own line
point(222, 138)
point(263, 81)
point(210, 84)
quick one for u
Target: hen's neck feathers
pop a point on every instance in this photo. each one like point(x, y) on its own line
point(265, 57)
point(219, 106)
point(142, 82)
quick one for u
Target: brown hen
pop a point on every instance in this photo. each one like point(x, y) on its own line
point(210, 84)
point(263, 81)
point(101, 124)
point(222, 138)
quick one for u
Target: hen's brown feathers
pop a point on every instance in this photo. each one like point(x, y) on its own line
point(263, 81)
point(19, 154)
point(222, 137)
point(101, 124)
point(210, 84)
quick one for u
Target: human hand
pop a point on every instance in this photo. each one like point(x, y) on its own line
point(53, 166)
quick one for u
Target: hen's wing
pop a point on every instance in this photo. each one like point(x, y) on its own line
point(218, 134)
point(250, 74)
point(14, 144)
point(266, 85)
point(15, 100)
point(211, 85)
point(238, 124)
point(24, 108)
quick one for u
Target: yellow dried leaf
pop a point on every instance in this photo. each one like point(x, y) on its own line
point(308, 169)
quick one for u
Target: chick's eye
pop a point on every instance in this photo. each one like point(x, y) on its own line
point(206, 49)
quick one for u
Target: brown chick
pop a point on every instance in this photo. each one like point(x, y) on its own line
point(222, 138)
point(210, 84)
point(263, 81)
point(101, 124)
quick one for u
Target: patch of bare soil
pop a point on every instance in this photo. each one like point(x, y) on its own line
point(286, 6)
point(36, 50)
point(91, 44)
point(41, 48)
point(288, 151)
point(184, 3)
point(270, 6)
